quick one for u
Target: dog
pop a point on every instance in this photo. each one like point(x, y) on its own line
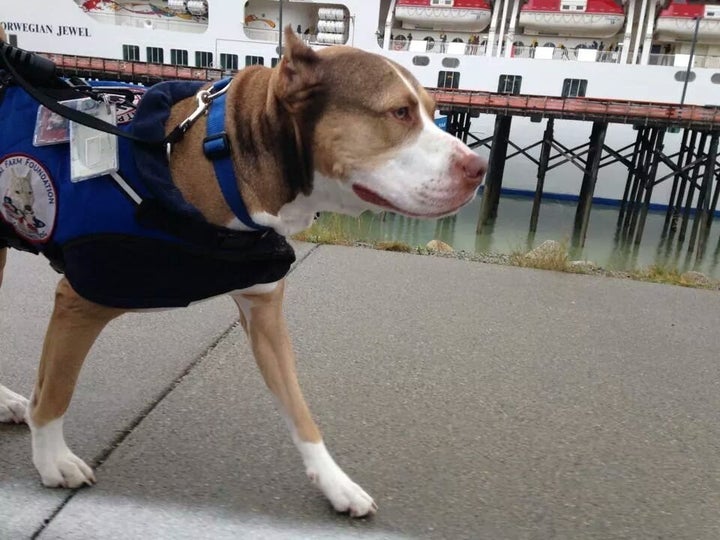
point(361, 127)
point(18, 201)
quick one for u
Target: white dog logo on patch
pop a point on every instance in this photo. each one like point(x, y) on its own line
point(28, 197)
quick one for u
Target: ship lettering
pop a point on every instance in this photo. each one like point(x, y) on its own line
point(27, 27)
point(35, 28)
point(81, 31)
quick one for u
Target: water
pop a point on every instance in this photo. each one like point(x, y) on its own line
point(510, 233)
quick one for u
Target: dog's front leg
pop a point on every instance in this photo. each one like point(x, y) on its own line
point(74, 325)
point(262, 318)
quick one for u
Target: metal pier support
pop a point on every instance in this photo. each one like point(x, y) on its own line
point(496, 168)
point(592, 165)
point(542, 169)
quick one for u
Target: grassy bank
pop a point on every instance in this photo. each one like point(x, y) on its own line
point(334, 229)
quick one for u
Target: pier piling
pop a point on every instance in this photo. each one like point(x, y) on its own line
point(496, 168)
point(587, 190)
point(542, 169)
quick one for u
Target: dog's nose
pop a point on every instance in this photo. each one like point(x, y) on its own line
point(470, 167)
point(28, 207)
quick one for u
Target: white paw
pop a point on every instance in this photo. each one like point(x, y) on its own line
point(12, 406)
point(344, 494)
point(66, 471)
point(57, 465)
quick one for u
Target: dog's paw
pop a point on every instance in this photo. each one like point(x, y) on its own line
point(12, 406)
point(65, 471)
point(57, 465)
point(344, 494)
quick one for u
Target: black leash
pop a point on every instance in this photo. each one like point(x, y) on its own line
point(42, 71)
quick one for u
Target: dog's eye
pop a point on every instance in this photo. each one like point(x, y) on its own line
point(403, 113)
point(17, 192)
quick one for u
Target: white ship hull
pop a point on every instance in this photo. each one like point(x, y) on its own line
point(67, 29)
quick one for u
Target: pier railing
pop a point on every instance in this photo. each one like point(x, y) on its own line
point(616, 111)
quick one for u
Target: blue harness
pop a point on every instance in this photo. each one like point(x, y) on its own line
point(160, 253)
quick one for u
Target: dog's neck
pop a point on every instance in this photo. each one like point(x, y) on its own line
point(328, 195)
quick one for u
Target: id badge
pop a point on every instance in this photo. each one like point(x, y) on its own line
point(50, 128)
point(93, 153)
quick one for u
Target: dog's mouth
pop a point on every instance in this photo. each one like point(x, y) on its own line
point(368, 195)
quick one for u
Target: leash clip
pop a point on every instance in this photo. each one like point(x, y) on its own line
point(204, 98)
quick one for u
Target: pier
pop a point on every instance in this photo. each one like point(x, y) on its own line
point(694, 170)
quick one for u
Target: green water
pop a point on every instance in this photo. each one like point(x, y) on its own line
point(510, 233)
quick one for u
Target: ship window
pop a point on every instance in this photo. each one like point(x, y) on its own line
point(12, 39)
point(573, 5)
point(229, 61)
point(449, 79)
point(574, 88)
point(178, 57)
point(450, 62)
point(203, 59)
point(254, 60)
point(447, 3)
point(680, 76)
point(131, 53)
point(155, 55)
point(509, 84)
point(715, 78)
point(421, 60)
point(274, 61)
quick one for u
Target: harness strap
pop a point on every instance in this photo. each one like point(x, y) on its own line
point(216, 147)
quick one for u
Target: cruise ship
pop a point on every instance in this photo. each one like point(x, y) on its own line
point(636, 50)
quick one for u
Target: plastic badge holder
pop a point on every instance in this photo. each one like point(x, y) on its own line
point(93, 153)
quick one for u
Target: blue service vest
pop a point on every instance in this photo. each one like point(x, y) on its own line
point(92, 231)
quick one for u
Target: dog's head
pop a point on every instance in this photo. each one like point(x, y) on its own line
point(374, 142)
point(20, 193)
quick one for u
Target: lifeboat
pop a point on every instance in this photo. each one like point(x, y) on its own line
point(446, 15)
point(677, 21)
point(582, 18)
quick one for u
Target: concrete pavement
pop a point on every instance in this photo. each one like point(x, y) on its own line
point(471, 400)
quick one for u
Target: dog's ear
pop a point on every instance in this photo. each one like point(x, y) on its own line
point(299, 73)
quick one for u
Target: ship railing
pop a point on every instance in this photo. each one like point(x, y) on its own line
point(437, 47)
point(681, 60)
point(559, 53)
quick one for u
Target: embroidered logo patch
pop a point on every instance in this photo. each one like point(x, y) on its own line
point(28, 200)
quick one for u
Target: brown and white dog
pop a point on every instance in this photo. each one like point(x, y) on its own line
point(367, 126)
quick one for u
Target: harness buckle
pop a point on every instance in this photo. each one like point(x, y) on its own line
point(216, 146)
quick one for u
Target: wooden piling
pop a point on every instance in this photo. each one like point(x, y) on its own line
point(496, 168)
point(592, 165)
point(542, 169)
point(649, 182)
point(705, 212)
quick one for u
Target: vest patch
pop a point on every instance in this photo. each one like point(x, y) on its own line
point(29, 199)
